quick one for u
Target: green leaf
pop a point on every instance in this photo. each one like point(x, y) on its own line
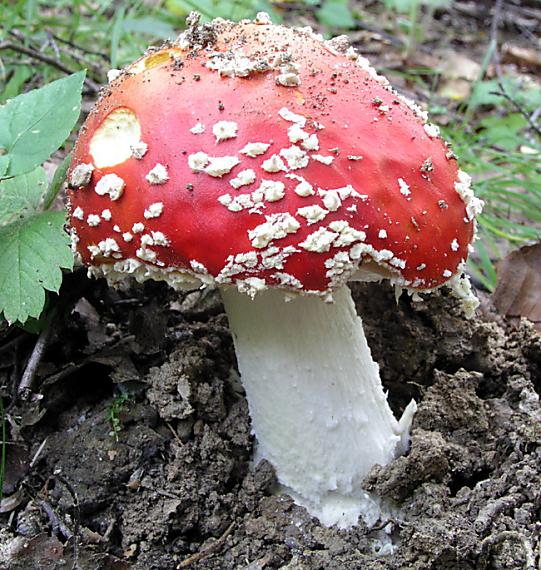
point(336, 14)
point(116, 34)
point(15, 84)
point(486, 92)
point(503, 132)
point(4, 163)
point(210, 9)
point(150, 26)
point(404, 6)
point(21, 196)
point(56, 183)
point(32, 253)
point(35, 124)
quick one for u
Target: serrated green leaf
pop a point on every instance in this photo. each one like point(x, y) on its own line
point(35, 124)
point(21, 196)
point(32, 253)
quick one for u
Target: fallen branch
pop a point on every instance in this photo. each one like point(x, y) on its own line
point(26, 384)
point(34, 54)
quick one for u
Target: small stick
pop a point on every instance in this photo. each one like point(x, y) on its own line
point(494, 34)
point(75, 54)
point(175, 434)
point(27, 381)
point(532, 120)
point(207, 551)
point(24, 391)
point(78, 47)
point(37, 454)
point(46, 59)
point(76, 520)
point(57, 526)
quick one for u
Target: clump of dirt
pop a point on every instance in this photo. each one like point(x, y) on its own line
point(137, 455)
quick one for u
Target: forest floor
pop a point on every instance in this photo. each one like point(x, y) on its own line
point(134, 451)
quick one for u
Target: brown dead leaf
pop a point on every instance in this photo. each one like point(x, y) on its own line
point(522, 56)
point(8, 504)
point(458, 72)
point(518, 293)
point(455, 89)
point(41, 551)
point(454, 65)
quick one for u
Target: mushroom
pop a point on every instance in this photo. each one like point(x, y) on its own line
point(278, 167)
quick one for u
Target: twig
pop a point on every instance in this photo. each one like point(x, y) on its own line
point(24, 391)
point(50, 42)
point(536, 114)
point(46, 59)
point(109, 530)
point(57, 526)
point(518, 107)
point(78, 47)
point(76, 520)
point(208, 550)
point(35, 54)
point(494, 33)
point(384, 523)
point(37, 454)
point(75, 53)
point(175, 434)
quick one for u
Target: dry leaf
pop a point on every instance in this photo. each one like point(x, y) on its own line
point(455, 89)
point(454, 65)
point(518, 293)
point(42, 551)
point(458, 73)
point(8, 504)
point(522, 56)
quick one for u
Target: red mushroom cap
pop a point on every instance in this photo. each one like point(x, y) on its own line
point(264, 156)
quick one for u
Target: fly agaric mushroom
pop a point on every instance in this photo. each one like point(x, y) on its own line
point(278, 166)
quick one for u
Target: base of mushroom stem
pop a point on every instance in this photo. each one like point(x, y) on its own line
point(335, 509)
point(318, 409)
point(343, 511)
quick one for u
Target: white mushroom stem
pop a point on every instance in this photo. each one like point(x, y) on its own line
point(318, 408)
